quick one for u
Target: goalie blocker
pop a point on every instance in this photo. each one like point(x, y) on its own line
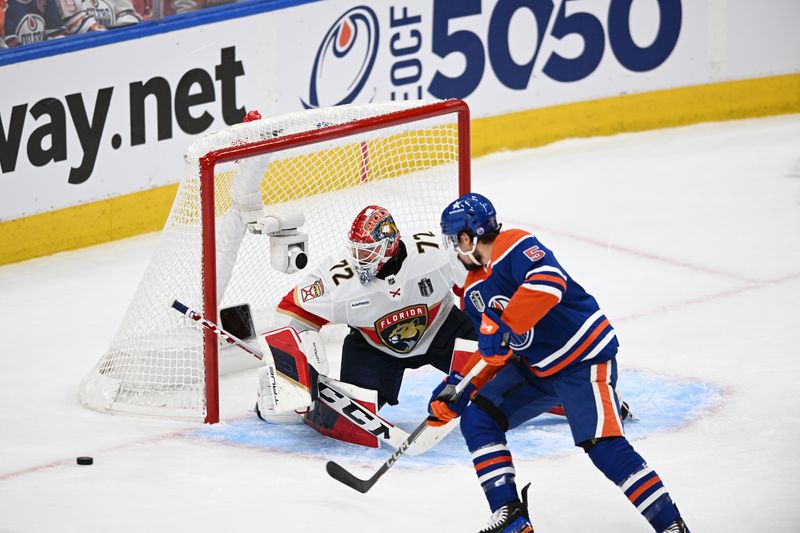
point(294, 388)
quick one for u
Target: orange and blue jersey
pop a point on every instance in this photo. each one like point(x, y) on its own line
point(556, 323)
point(30, 22)
point(567, 349)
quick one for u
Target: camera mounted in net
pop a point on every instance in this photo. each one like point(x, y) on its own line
point(288, 247)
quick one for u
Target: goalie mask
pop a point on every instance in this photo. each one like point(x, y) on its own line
point(373, 240)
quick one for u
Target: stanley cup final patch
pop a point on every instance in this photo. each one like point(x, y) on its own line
point(477, 300)
point(401, 330)
point(309, 292)
point(425, 287)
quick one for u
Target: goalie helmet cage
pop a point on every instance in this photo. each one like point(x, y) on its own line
point(411, 157)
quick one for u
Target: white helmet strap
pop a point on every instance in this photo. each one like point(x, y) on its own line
point(471, 252)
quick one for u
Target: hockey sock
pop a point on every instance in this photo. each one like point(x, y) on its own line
point(490, 456)
point(620, 463)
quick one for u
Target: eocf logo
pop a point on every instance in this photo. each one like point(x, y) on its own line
point(344, 60)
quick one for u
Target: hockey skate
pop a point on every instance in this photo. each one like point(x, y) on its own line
point(678, 526)
point(511, 518)
point(625, 412)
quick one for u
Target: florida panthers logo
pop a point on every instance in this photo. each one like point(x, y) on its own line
point(515, 342)
point(344, 60)
point(401, 330)
point(380, 225)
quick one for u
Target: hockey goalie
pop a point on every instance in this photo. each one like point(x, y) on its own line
point(396, 296)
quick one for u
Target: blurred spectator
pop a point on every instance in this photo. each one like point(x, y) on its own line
point(112, 13)
point(73, 16)
point(3, 25)
point(32, 21)
point(144, 8)
point(176, 7)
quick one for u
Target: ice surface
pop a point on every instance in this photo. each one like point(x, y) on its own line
point(690, 240)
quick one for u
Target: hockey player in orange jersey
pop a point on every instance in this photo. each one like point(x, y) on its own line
point(515, 284)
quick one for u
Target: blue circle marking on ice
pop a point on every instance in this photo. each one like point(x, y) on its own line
point(658, 403)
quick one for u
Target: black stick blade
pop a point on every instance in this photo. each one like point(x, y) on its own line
point(340, 474)
point(180, 307)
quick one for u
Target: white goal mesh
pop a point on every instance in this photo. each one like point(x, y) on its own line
point(327, 164)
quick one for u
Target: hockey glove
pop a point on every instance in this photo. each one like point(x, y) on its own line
point(443, 406)
point(493, 338)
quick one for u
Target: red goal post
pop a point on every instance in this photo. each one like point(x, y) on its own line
point(412, 157)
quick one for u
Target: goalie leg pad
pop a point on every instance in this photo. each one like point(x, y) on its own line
point(462, 352)
point(335, 426)
point(289, 358)
point(265, 405)
point(314, 349)
point(358, 406)
point(289, 379)
point(347, 413)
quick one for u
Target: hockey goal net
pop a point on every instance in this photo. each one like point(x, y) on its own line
point(410, 157)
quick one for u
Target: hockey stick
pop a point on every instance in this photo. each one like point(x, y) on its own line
point(340, 474)
point(224, 335)
point(333, 398)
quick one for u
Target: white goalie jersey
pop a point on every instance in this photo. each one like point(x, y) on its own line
point(399, 315)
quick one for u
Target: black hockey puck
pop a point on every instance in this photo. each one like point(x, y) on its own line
point(85, 460)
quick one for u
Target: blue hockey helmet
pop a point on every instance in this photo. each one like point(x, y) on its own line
point(471, 213)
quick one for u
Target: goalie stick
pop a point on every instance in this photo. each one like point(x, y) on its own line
point(329, 394)
point(342, 475)
point(227, 337)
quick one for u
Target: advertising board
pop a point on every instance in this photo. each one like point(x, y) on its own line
point(98, 123)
